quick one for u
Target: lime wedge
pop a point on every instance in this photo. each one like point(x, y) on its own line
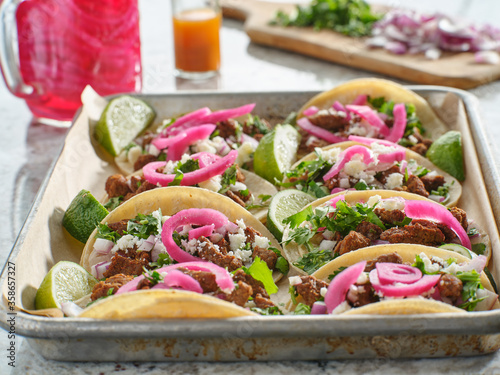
point(284, 204)
point(462, 250)
point(83, 215)
point(276, 152)
point(123, 119)
point(446, 153)
point(66, 281)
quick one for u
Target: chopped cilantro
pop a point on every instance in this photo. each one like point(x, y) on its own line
point(471, 282)
point(163, 260)
point(190, 165)
point(314, 260)
point(349, 17)
point(256, 125)
point(335, 273)
point(177, 179)
point(103, 231)
point(479, 248)
point(281, 264)
point(228, 179)
point(143, 226)
point(472, 232)
point(264, 197)
point(302, 309)
point(154, 277)
point(113, 203)
point(442, 191)
point(293, 294)
point(273, 310)
point(361, 185)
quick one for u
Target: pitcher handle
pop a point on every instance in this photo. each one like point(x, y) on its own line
point(9, 55)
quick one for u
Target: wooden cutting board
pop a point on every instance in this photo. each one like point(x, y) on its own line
point(452, 69)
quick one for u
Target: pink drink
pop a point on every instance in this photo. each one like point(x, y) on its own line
point(65, 45)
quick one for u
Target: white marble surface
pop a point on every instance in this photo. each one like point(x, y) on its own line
point(27, 150)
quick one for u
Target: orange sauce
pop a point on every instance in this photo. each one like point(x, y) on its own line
point(196, 40)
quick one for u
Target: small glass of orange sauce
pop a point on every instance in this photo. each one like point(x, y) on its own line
point(196, 25)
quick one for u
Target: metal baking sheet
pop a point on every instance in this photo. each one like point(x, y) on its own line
point(263, 338)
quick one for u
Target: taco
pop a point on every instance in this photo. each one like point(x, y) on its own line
point(201, 130)
point(204, 170)
point(395, 279)
point(376, 165)
point(345, 222)
point(369, 107)
point(175, 225)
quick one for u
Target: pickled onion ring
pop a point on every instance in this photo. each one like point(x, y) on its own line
point(311, 111)
point(204, 231)
point(187, 120)
point(390, 273)
point(176, 279)
point(345, 156)
point(425, 284)
point(191, 178)
point(178, 144)
point(222, 276)
point(196, 216)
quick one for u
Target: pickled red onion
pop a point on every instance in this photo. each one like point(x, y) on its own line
point(399, 127)
point(178, 144)
point(369, 141)
point(338, 288)
point(426, 283)
point(226, 114)
point(205, 158)
point(345, 156)
point(318, 308)
point(333, 201)
point(222, 276)
point(477, 263)
point(438, 213)
point(311, 111)
point(390, 273)
point(312, 129)
point(176, 279)
point(205, 116)
point(191, 178)
point(196, 216)
point(187, 120)
point(339, 107)
point(204, 231)
point(392, 157)
point(370, 116)
point(360, 100)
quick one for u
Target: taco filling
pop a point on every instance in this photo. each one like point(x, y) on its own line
point(378, 166)
point(366, 117)
point(199, 131)
point(204, 170)
point(388, 278)
point(142, 249)
point(337, 227)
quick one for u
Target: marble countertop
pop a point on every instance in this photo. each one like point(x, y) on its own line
point(27, 150)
